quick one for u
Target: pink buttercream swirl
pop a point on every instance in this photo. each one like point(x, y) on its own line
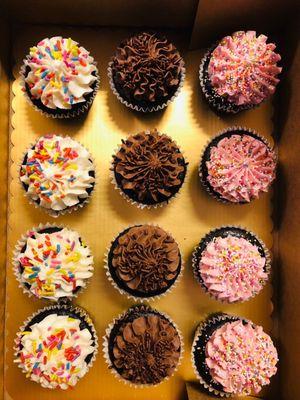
point(242, 358)
point(243, 68)
point(232, 268)
point(241, 167)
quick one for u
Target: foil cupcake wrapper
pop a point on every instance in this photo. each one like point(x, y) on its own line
point(68, 210)
point(131, 296)
point(136, 203)
point(18, 247)
point(195, 260)
point(231, 129)
point(210, 321)
point(69, 113)
point(67, 307)
point(137, 107)
point(105, 345)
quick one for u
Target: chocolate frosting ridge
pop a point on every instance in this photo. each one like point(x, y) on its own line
point(147, 67)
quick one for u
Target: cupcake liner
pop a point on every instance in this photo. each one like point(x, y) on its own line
point(216, 102)
point(69, 113)
point(69, 309)
point(136, 107)
point(202, 327)
point(68, 210)
point(201, 168)
point(214, 233)
point(136, 203)
point(119, 318)
point(123, 291)
point(18, 247)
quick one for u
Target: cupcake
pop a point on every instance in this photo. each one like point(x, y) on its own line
point(231, 264)
point(52, 263)
point(144, 261)
point(57, 174)
point(232, 356)
point(59, 77)
point(146, 72)
point(239, 72)
point(142, 347)
point(237, 166)
point(149, 169)
point(56, 346)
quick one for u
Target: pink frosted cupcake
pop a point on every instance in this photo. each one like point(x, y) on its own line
point(232, 356)
point(231, 264)
point(237, 166)
point(239, 72)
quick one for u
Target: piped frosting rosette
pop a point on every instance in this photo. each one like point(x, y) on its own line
point(143, 347)
point(231, 264)
point(56, 346)
point(60, 77)
point(232, 356)
point(52, 262)
point(58, 174)
point(237, 166)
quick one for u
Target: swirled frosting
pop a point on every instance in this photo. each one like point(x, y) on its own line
point(149, 167)
point(57, 172)
point(146, 259)
point(146, 350)
point(53, 351)
point(232, 268)
point(243, 68)
point(240, 167)
point(241, 357)
point(60, 73)
point(54, 265)
point(147, 68)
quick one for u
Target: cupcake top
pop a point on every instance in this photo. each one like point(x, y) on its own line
point(147, 68)
point(240, 166)
point(59, 73)
point(241, 357)
point(149, 167)
point(232, 268)
point(55, 351)
point(145, 347)
point(57, 173)
point(54, 263)
point(144, 261)
point(243, 68)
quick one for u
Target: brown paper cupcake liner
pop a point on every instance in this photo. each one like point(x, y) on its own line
point(203, 179)
point(105, 345)
point(131, 296)
point(136, 203)
point(140, 108)
point(67, 307)
point(195, 261)
point(69, 113)
point(210, 321)
point(18, 247)
point(68, 210)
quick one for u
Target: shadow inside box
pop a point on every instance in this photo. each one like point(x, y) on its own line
point(195, 391)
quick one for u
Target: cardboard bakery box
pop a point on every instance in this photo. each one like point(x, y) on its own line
point(192, 26)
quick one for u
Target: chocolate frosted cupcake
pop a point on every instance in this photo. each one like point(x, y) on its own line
point(59, 77)
point(239, 72)
point(142, 347)
point(146, 72)
point(56, 346)
point(232, 356)
point(57, 174)
point(144, 261)
point(237, 166)
point(52, 263)
point(149, 169)
point(231, 264)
